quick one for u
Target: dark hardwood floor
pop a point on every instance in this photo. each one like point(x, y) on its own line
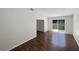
point(49, 41)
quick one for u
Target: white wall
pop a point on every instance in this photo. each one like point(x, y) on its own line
point(16, 27)
point(45, 25)
point(76, 26)
point(40, 25)
point(68, 23)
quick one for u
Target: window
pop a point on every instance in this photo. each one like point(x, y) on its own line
point(58, 24)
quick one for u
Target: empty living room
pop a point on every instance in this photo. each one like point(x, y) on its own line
point(39, 29)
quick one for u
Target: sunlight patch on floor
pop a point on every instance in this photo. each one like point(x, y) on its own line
point(59, 39)
point(60, 31)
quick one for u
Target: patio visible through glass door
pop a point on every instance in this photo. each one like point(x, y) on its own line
point(58, 24)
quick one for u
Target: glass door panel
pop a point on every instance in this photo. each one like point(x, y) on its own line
point(58, 24)
point(54, 25)
point(61, 24)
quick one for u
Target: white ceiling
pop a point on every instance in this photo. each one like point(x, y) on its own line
point(55, 11)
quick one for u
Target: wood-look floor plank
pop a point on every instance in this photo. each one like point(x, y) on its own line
point(49, 41)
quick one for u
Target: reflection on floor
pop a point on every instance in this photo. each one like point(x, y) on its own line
point(59, 40)
point(49, 41)
point(60, 31)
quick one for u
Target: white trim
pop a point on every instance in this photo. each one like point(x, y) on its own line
point(77, 39)
point(19, 44)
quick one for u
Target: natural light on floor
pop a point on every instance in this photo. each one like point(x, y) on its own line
point(59, 39)
point(60, 31)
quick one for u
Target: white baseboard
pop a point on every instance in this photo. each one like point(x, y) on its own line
point(76, 38)
point(19, 44)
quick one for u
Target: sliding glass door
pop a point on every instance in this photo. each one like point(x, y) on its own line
point(58, 24)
